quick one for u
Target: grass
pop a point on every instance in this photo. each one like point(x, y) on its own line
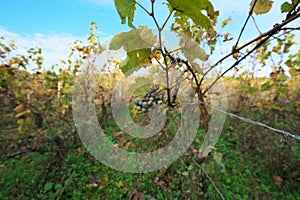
point(254, 164)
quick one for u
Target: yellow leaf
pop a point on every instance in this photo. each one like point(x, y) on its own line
point(277, 49)
point(261, 6)
point(225, 22)
point(236, 54)
point(277, 180)
point(104, 182)
point(40, 92)
point(134, 112)
point(20, 121)
point(23, 113)
point(294, 72)
point(120, 184)
point(289, 63)
point(19, 108)
point(218, 157)
point(85, 50)
point(117, 134)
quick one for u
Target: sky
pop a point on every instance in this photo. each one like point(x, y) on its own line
point(54, 24)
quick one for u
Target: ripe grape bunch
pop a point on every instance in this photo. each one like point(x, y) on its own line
point(151, 98)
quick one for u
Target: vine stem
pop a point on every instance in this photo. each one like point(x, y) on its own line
point(246, 22)
point(160, 29)
point(203, 109)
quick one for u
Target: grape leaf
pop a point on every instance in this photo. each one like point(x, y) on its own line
point(135, 60)
point(140, 81)
point(137, 43)
point(286, 7)
point(192, 50)
point(132, 40)
point(126, 10)
point(261, 6)
point(193, 10)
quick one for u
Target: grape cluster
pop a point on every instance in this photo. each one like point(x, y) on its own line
point(151, 98)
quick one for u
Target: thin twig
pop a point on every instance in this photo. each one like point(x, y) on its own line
point(65, 186)
point(153, 15)
point(191, 71)
point(210, 180)
point(256, 25)
point(160, 29)
point(180, 48)
point(177, 84)
point(291, 29)
point(161, 65)
point(140, 5)
point(15, 153)
point(288, 31)
point(163, 26)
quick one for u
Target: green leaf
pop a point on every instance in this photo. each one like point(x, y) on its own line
point(252, 90)
point(137, 43)
point(261, 6)
point(286, 7)
point(132, 40)
point(298, 92)
point(48, 186)
point(138, 82)
point(135, 60)
point(185, 173)
point(142, 80)
point(283, 90)
point(294, 2)
point(126, 10)
point(191, 167)
point(193, 10)
point(266, 86)
point(58, 186)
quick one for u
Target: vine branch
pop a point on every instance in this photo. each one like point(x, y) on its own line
point(272, 31)
point(244, 26)
point(237, 62)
